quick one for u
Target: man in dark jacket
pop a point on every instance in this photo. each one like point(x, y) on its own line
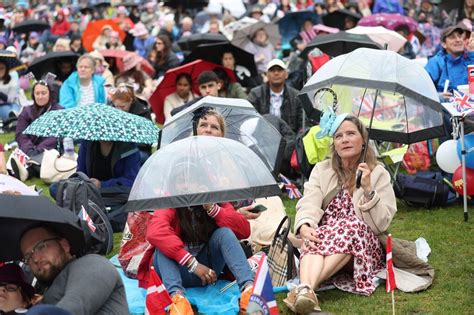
point(276, 97)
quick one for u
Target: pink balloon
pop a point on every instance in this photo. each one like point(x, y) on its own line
point(458, 182)
point(24, 83)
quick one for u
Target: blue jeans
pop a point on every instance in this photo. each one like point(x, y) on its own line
point(224, 250)
point(7, 108)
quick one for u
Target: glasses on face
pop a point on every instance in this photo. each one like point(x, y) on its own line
point(10, 287)
point(39, 248)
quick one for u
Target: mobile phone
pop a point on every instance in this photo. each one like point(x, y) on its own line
point(258, 209)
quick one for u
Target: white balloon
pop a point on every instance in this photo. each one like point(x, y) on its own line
point(447, 156)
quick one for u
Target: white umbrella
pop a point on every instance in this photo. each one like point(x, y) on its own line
point(231, 28)
point(381, 36)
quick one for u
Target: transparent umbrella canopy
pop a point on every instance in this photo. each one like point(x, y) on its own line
point(397, 90)
point(200, 170)
point(243, 124)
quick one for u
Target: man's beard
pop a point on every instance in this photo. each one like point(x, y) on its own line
point(48, 276)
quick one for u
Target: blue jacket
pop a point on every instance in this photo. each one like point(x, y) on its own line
point(70, 93)
point(125, 162)
point(444, 66)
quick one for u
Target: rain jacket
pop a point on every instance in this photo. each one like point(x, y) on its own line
point(444, 66)
point(125, 162)
point(163, 233)
point(33, 145)
point(70, 92)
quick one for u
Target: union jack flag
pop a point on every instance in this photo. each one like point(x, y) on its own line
point(462, 101)
point(84, 216)
point(262, 300)
point(291, 189)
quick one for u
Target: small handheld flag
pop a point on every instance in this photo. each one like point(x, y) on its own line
point(291, 189)
point(84, 216)
point(157, 298)
point(262, 300)
point(390, 283)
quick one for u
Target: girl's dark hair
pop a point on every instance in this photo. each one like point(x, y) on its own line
point(37, 110)
point(162, 57)
point(187, 76)
point(195, 225)
point(6, 78)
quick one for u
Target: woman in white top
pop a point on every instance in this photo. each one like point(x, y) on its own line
point(8, 92)
point(182, 95)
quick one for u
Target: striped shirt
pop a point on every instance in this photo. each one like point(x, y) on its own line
point(87, 94)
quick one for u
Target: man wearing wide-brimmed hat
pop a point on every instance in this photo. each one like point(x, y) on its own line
point(452, 61)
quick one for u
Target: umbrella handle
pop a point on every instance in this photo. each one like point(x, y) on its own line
point(358, 179)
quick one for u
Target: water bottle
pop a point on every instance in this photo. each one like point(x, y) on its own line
point(68, 145)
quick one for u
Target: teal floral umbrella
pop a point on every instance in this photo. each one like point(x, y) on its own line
point(95, 122)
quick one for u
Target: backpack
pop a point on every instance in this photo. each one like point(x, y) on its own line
point(77, 192)
point(310, 150)
point(425, 189)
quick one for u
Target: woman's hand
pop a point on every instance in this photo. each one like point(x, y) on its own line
point(365, 182)
point(309, 236)
point(247, 214)
point(207, 275)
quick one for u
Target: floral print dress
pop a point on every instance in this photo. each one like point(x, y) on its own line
point(341, 231)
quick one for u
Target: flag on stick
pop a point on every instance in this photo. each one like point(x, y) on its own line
point(390, 283)
point(262, 300)
point(157, 298)
point(291, 189)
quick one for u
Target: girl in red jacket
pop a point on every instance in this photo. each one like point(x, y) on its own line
point(194, 244)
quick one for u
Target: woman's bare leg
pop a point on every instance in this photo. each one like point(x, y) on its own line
point(331, 265)
point(311, 267)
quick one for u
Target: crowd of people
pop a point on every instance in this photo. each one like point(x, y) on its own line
point(123, 65)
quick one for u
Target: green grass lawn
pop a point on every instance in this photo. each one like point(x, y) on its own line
point(452, 254)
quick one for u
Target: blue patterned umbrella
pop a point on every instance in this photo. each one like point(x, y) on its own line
point(95, 122)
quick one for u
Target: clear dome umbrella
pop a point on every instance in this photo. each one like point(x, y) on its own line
point(200, 170)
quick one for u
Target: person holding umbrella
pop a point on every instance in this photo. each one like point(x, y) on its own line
point(183, 94)
point(338, 222)
point(123, 98)
point(89, 284)
point(192, 246)
point(261, 48)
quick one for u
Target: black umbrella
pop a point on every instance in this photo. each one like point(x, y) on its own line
point(30, 26)
point(214, 52)
point(50, 62)
point(337, 18)
point(339, 43)
point(189, 43)
point(18, 213)
point(186, 3)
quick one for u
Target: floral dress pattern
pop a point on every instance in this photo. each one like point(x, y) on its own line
point(341, 231)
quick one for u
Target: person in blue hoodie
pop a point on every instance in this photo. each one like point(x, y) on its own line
point(451, 62)
point(83, 87)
